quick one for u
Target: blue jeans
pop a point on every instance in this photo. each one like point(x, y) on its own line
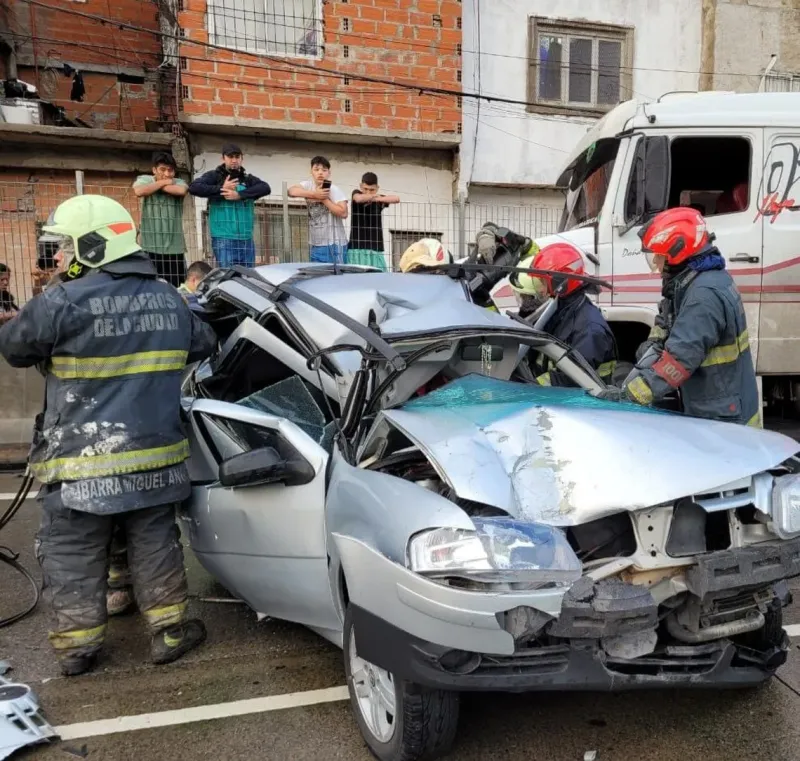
point(330, 253)
point(228, 252)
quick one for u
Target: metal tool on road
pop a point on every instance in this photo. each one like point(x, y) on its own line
point(21, 721)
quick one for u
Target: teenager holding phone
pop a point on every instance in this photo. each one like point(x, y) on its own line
point(327, 210)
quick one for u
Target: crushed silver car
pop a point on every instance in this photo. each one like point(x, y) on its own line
point(368, 461)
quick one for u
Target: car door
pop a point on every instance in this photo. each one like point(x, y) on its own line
point(777, 207)
point(265, 542)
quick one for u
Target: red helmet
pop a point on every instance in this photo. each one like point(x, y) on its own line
point(560, 257)
point(676, 234)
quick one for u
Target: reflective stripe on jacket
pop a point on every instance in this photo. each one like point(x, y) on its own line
point(114, 344)
point(581, 325)
point(706, 354)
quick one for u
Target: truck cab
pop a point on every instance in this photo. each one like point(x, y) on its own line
point(735, 158)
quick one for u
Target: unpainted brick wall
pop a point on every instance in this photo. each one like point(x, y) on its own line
point(26, 200)
point(411, 41)
point(49, 38)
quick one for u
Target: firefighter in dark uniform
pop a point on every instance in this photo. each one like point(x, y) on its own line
point(699, 344)
point(577, 321)
point(113, 341)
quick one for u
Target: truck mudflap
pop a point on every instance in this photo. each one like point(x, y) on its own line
point(744, 567)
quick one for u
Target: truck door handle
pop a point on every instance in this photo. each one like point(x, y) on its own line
point(745, 258)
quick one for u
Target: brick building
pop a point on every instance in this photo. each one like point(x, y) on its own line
point(281, 77)
point(107, 101)
point(124, 87)
point(412, 41)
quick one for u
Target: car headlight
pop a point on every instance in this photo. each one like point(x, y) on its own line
point(786, 506)
point(497, 550)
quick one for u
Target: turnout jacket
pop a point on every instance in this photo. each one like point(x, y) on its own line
point(580, 324)
point(700, 345)
point(113, 346)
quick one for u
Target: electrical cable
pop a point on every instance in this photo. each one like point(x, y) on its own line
point(443, 48)
point(11, 558)
point(320, 71)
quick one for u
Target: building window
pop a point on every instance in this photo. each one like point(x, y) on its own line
point(578, 66)
point(291, 28)
point(781, 82)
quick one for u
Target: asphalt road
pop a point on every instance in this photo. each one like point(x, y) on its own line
point(245, 659)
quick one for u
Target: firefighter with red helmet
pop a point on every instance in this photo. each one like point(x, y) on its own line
point(699, 345)
point(576, 322)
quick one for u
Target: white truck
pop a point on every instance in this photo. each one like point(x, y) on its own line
point(736, 158)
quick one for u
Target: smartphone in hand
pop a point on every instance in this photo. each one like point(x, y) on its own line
point(326, 184)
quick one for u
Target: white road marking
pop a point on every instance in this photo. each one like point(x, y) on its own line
point(793, 630)
point(201, 713)
point(9, 497)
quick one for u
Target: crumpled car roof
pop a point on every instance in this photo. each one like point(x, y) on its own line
point(402, 303)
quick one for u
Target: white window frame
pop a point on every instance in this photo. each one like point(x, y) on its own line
point(568, 30)
point(777, 81)
point(219, 5)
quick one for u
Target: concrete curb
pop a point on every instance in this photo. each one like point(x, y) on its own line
point(13, 456)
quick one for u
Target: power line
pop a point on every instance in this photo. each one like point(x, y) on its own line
point(519, 137)
point(316, 69)
point(266, 85)
point(255, 16)
point(294, 64)
point(311, 89)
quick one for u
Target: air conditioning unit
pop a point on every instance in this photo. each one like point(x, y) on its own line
point(20, 111)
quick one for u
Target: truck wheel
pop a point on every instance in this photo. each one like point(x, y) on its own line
point(400, 721)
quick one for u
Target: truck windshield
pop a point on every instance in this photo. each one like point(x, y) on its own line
point(588, 184)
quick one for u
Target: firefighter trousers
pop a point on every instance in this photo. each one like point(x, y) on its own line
point(74, 549)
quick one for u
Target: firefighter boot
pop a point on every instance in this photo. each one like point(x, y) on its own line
point(119, 601)
point(75, 664)
point(175, 641)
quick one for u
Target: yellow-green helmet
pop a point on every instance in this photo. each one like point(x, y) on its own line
point(525, 284)
point(99, 229)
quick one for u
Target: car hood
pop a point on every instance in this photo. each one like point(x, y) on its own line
point(560, 456)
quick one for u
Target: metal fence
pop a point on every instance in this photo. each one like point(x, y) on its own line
point(280, 229)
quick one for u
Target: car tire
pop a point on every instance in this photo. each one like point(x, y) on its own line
point(424, 721)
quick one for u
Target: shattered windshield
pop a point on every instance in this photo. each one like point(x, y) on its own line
point(589, 183)
point(478, 391)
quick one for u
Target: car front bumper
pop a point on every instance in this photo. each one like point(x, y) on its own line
point(452, 638)
point(577, 665)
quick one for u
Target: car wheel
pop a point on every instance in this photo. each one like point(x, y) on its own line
point(400, 721)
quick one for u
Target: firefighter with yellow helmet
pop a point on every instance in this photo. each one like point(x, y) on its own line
point(577, 321)
point(423, 255)
point(109, 446)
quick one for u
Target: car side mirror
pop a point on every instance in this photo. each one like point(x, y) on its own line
point(264, 466)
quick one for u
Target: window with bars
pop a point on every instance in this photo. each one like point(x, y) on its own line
point(782, 82)
point(578, 66)
point(291, 28)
